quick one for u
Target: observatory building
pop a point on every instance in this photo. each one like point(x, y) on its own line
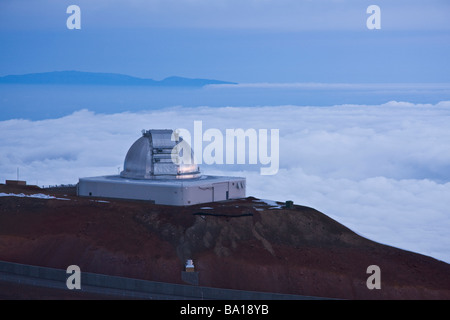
point(155, 170)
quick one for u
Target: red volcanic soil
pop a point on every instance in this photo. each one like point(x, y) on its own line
point(243, 244)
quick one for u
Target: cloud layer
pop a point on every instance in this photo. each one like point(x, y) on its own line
point(381, 170)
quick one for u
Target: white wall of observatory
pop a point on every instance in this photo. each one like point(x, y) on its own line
point(170, 192)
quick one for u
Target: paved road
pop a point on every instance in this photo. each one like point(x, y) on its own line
point(19, 287)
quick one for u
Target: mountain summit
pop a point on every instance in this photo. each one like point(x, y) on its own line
point(242, 244)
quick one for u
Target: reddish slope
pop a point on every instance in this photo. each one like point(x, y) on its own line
point(241, 244)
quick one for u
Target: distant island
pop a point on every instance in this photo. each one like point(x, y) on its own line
point(95, 78)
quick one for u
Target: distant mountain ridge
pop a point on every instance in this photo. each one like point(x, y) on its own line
point(95, 78)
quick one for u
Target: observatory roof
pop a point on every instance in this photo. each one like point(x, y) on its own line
point(156, 155)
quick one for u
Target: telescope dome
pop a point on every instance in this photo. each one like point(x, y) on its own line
point(156, 155)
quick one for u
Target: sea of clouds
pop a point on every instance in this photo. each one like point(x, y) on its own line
point(381, 170)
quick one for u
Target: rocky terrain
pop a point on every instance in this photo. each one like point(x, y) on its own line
point(246, 244)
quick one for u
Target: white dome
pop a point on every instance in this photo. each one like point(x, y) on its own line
point(155, 156)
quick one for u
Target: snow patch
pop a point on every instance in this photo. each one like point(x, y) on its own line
point(272, 204)
point(36, 195)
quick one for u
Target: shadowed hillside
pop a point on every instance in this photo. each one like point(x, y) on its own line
point(246, 244)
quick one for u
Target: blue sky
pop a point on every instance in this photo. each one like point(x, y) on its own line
point(243, 41)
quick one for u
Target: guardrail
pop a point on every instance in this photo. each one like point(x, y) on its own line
point(129, 287)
